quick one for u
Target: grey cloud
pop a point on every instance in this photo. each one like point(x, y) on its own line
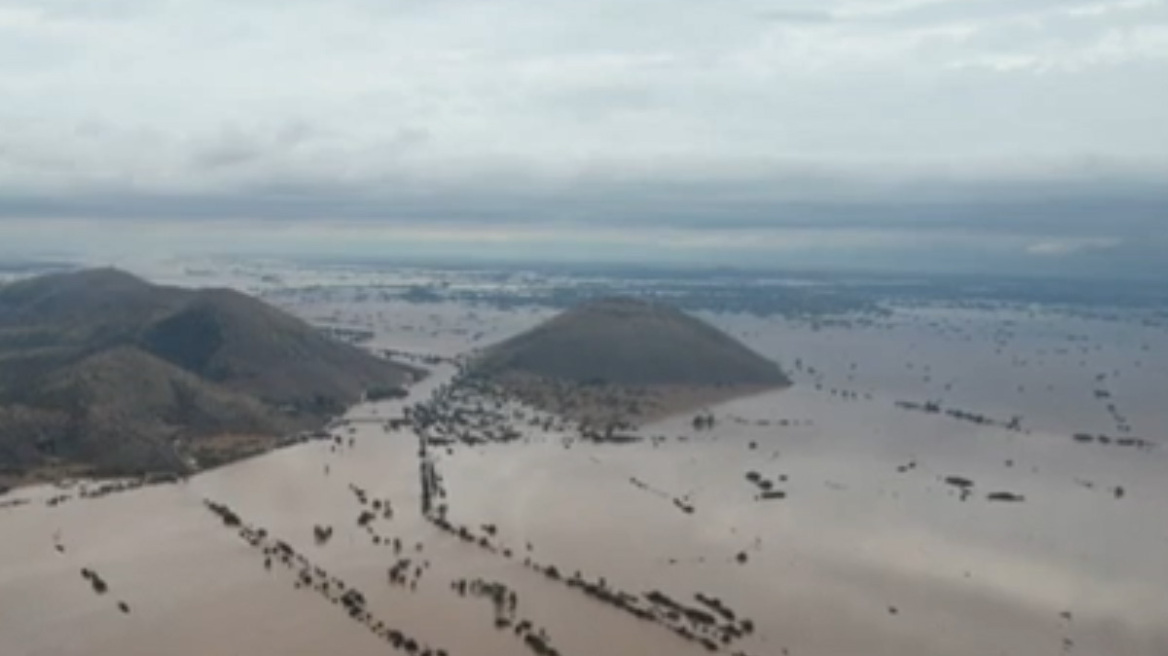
point(796, 16)
point(1040, 209)
point(946, 11)
point(232, 149)
point(981, 116)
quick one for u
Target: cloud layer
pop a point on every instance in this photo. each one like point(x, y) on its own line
point(1032, 122)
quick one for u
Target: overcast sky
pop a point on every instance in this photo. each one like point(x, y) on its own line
point(891, 133)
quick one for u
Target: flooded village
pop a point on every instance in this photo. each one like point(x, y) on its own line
point(855, 511)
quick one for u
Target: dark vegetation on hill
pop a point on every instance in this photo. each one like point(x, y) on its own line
point(631, 357)
point(105, 373)
point(631, 342)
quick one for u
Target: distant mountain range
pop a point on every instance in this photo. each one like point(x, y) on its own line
point(102, 372)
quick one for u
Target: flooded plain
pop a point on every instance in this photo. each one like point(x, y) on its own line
point(833, 519)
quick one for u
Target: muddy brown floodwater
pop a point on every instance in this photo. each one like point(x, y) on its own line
point(871, 549)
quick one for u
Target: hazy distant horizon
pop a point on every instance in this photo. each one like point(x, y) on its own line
point(142, 261)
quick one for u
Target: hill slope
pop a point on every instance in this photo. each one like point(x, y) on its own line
point(631, 342)
point(102, 370)
point(626, 343)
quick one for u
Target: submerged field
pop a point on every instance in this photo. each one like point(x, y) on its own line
point(831, 518)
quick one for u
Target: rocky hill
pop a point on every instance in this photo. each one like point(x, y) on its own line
point(630, 349)
point(103, 372)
